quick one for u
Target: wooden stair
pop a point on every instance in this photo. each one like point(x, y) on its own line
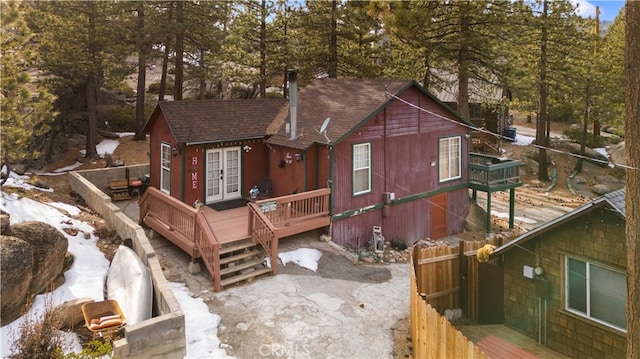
point(241, 261)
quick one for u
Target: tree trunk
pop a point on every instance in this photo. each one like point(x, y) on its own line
point(91, 92)
point(263, 49)
point(632, 131)
point(333, 45)
point(92, 109)
point(179, 78)
point(585, 128)
point(202, 88)
point(142, 74)
point(165, 59)
point(541, 126)
point(463, 63)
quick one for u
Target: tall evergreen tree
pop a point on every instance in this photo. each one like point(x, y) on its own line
point(84, 50)
point(632, 130)
point(25, 110)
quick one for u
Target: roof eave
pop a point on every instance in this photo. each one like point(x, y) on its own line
point(523, 238)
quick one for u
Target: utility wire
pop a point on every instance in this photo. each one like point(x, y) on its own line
point(484, 130)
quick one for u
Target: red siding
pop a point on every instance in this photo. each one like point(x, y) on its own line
point(188, 166)
point(287, 176)
point(160, 133)
point(253, 162)
point(404, 144)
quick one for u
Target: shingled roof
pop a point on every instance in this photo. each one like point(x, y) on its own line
point(348, 102)
point(615, 200)
point(218, 120)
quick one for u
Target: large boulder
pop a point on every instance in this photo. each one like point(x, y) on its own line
point(593, 155)
point(16, 269)
point(49, 249)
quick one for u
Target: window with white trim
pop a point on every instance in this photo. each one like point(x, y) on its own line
point(165, 167)
point(450, 152)
point(361, 168)
point(596, 292)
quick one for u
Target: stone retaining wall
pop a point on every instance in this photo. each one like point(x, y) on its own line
point(162, 336)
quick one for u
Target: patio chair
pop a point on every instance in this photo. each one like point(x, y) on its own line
point(265, 187)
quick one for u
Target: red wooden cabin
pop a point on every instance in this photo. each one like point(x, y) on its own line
point(393, 155)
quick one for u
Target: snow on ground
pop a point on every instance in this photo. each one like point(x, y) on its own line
point(522, 140)
point(304, 257)
point(86, 276)
point(21, 181)
point(106, 146)
point(69, 168)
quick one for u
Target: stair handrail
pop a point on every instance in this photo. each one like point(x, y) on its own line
point(264, 232)
point(209, 248)
point(143, 205)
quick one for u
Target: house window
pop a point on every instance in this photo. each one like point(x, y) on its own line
point(361, 168)
point(165, 167)
point(450, 158)
point(596, 292)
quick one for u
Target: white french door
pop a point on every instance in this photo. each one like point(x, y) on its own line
point(222, 174)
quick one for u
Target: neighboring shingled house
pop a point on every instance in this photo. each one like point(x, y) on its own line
point(565, 282)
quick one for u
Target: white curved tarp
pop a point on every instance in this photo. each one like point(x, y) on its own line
point(129, 283)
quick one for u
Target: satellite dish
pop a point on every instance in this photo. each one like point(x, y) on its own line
point(323, 128)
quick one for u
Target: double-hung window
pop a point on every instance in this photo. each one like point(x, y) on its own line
point(361, 168)
point(596, 292)
point(165, 167)
point(450, 153)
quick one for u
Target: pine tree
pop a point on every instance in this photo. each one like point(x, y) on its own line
point(85, 50)
point(632, 131)
point(26, 111)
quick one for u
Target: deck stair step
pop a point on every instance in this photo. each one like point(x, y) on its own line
point(250, 274)
point(242, 266)
point(237, 246)
point(241, 256)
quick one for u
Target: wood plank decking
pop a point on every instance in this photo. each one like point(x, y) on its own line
point(230, 225)
point(215, 235)
point(499, 341)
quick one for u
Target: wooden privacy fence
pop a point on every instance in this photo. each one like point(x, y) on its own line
point(447, 276)
point(432, 334)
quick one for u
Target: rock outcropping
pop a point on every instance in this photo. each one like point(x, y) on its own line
point(31, 262)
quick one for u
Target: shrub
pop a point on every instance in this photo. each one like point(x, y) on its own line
point(155, 88)
point(40, 339)
point(121, 118)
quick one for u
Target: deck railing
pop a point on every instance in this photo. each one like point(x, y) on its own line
point(176, 215)
point(209, 248)
point(286, 210)
point(263, 231)
point(492, 171)
point(273, 218)
point(269, 220)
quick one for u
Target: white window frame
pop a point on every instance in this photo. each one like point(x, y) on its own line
point(165, 167)
point(449, 158)
point(587, 295)
point(360, 166)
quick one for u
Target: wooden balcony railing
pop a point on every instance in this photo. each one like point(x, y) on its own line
point(491, 171)
point(263, 232)
point(171, 218)
point(274, 218)
point(268, 220)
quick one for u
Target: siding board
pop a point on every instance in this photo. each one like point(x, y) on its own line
point(404, 143)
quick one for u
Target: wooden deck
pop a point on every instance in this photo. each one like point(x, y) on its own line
point(211, 235)
point(228, 226)
point(499, 341)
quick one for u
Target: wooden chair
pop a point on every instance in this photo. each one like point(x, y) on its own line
point(265, 187)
